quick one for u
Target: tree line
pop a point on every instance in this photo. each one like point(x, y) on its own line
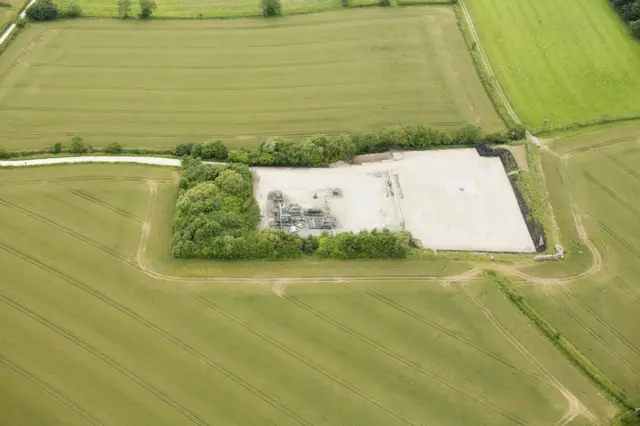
point(49, 10)
point(629, 10)
point(322, 150)
point(314, 151)
point(216, 217)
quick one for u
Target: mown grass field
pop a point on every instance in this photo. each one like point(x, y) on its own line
point(560, 62)
point(89, 337)
point(599, 313)
point(156, 84)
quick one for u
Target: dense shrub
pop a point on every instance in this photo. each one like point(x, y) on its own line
point(384, 3)
point(214, 150)
point(43, 10)
point(113, 148)
point(77, 145)
point(56, 148)
point(146, 8)
point(271, 8)
point(517, 133)
point(635, 30)
point(124, 9)
point(629, 10)
point(70, 10)
point(345, 3)
point(365, 245)
point(3, 153)
point(183, 150)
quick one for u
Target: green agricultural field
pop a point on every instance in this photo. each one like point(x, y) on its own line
point(560, 62)
point(91, 333)
point(599, 313)
point(156, 84)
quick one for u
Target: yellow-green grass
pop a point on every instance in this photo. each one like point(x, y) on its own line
point(205, 8)
point(598, 313)
point(560, 62)
point(90, 338)
point(8, 14)
point(156, 84)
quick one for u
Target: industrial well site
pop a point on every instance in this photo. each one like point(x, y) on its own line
point(319, 212)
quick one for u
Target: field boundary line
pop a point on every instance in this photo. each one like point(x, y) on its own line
point(194, 418)
point(221, 369)
point(486, 63)
point(51, 391)
point(575, 407)
point(456, 70)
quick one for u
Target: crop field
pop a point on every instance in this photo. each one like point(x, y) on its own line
point(560, 62)
point(599, 313)
point(156, 84)
point(93, 334)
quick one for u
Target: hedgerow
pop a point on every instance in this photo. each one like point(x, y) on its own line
point(321, 150)
point(562, 343)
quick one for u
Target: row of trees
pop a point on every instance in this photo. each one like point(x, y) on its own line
point(48, 10)
point(321, 150)
point(146, 8)
point(629, 10)
point(216, 217)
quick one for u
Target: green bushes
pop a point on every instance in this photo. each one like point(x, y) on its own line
point(78, 146)
point(146, 8)
point(629, 10)
point(517, 133)
point(47, 10)
point(321, 150)
point(124, 9)
point(43, 10)
point(365, 245)
point(271, 8)
point(214, 150)
point(216, 217)
point(113, 148)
